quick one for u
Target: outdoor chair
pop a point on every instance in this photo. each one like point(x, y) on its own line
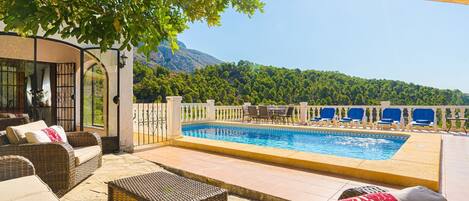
point(61, 165)
point(354, 116)
point(264, 113)
point(423, 118)
point(19, 182)
point(288, 115)
point(253, 114)
point(391, 117)
point(326, 115)
point(246, 115)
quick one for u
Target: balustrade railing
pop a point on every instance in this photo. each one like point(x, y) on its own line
point(229, 113)
point(149, 123)
point(194, 112)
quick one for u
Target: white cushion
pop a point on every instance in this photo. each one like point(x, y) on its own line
point(61, 133)
point(25, 188)
point(34, 137)
point(83, 154)
point(17, 134)
point(417, 193)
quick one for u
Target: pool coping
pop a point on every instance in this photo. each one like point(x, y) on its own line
point(417, 162)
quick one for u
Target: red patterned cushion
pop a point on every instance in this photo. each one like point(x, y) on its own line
point(52, 134)
point(373, 197)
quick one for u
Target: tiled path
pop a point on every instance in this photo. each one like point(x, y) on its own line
point(282, 182)
point(115, 166)
point(455, 170)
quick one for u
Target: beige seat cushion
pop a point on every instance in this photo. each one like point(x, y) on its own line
point(16, 134)
point(83, 154)
point(7, 115)
point(26, 188)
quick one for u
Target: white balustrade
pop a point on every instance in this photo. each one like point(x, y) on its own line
point(194, 112)
point(229, 113)
point(154, 122)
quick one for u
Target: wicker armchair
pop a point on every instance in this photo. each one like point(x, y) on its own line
point(19, 182)
point(15, 166)
point(55, 163)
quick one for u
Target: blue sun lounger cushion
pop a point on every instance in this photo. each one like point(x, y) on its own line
point(390, 116)
point(354, 114)
point(423, 117)
point(326, 114)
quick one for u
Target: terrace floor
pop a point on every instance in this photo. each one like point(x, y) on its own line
point(115, 166)
point(455, 167)
point(281, 182)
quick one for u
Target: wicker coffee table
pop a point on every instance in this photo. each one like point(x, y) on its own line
point(163, 186)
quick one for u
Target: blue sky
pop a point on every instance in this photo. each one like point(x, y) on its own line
point(417, 41)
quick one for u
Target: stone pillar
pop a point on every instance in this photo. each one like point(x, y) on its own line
point(211, 110)
point(174, 116)
point(303, 112)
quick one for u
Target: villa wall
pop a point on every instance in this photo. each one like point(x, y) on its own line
point(15, 47)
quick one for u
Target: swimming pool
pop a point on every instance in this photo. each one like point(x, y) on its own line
point(345, 144)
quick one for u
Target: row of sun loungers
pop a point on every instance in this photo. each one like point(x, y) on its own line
point(390, 117)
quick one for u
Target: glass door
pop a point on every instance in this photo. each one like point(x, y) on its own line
point(65, 96)
point(95, 99)
point(100, 89)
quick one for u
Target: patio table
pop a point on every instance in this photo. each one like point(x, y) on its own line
point(276, 110)
point(163, 186)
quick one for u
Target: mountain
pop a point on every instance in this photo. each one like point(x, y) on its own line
point(233, 84)
point(183, 60)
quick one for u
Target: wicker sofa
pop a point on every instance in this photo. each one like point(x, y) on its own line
point(19, 182)
point(59, 165)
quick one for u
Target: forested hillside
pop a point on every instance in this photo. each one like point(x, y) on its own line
point(233, 84)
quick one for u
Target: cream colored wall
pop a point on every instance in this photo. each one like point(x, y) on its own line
point(16, 47)
point(55, 52)
point(126, 100)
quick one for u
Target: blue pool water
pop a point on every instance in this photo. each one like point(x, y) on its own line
point(353, 145)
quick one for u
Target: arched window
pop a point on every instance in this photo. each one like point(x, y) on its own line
point(95, 96)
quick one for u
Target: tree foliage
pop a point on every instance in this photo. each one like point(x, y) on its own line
point(233, 84)
point(109, 22)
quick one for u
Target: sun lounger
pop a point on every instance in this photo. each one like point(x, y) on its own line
point(423, 118)
point(326, 115)
point(354, 115)
point(391, 116)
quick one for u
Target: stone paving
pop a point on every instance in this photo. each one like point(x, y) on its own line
point(115, 166)
point(265, 179)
